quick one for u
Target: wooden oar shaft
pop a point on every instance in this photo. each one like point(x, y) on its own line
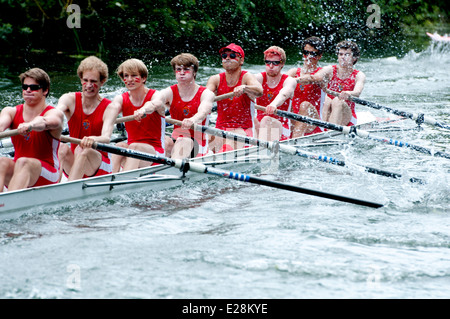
point(350, 130)
point(419, 118)
point(9, 133)
point(223, 96)
point(124, 119)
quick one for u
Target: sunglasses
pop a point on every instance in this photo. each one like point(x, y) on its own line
point(232, 55)
point(33, 87)
point(186, 69)
point(312, 53)
point(272, 62)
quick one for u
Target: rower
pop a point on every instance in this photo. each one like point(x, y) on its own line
point(278, 90)
point(187, 102)
point(308, 97)
point(344, 79)
point(235, 114)
point(144, 134)
point(38, 136)
point(90, 118)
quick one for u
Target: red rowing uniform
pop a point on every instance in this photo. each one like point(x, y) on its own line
point(150, 130)
point(235, 112)
point(40, 145)
point(311, 93)
point(81, 125)
point(268, 95)
point(348, 84)
point(180, 110)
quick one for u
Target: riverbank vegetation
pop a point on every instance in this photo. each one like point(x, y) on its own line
point(156, 30)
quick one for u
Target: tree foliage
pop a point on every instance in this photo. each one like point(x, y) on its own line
point(120, 28)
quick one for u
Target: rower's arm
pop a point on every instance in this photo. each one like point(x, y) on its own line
point(251, 86)
point(323, 76)
point(205, 107)
point(285, 93)
point(109, 119)
point(360, 80)
point(6, 117)
point(51, 120)
point(213, 83)
point(66, 104)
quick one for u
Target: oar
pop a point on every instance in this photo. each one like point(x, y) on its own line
point(8, 133)
point(419, 118)
point(223, 96)
point(287, 149)
point(350, 130)
point(185, 166)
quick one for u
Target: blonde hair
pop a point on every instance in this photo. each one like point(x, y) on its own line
point(131, 66)
point(276, 51)
point(93, 63)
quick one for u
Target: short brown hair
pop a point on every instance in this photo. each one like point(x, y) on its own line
point(349, 45)
point(40, 76)
point(316, 43)
point(93, 63)
point(185, 59)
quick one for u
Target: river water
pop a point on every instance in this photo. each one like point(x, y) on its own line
point(225, 239)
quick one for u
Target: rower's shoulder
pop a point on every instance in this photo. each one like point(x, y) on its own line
point(213, 82)
point(360, 75)
point(292, 72)
point(67, 100)
point(68, 96)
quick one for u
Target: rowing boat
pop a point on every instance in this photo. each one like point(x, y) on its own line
point(157, 177)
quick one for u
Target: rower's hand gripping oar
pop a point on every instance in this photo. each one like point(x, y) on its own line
point(185, 166)
point(419, 118)
point(287, 149)
point(353, 130)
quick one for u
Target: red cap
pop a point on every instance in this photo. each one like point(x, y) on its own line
point(235, 48)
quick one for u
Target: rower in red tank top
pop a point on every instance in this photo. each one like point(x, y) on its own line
point(187, 102)
point(234, 114)
point(337, 84)
point(278, 90)
point(345, 80)
point(90, 118)
point(145, 133)
point(36, 137)
point(180, 110)
point(85, 125)
point(150, 130)
point(40, 145)
point(308, 97)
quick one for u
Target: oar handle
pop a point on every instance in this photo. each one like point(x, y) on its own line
point(223, 96)
point(332, 92)
point(9, 133)
point(125, 119)
point(68, 139)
